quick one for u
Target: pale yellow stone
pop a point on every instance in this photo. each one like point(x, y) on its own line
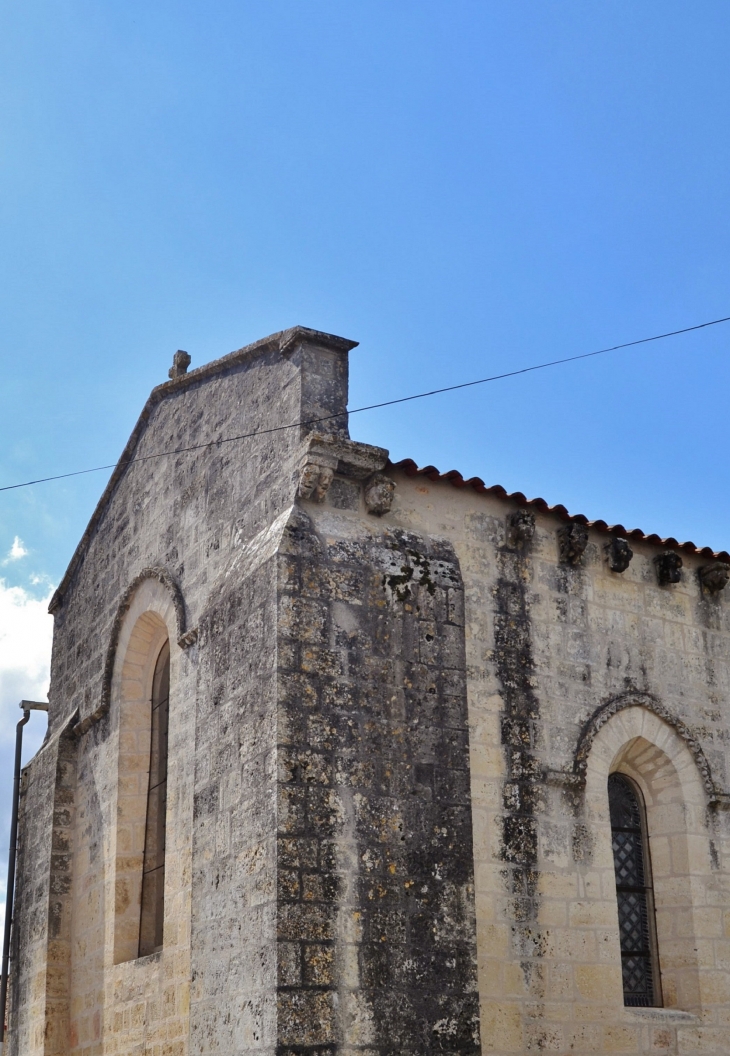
point(595, 982)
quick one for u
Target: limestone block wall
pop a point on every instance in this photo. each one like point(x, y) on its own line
point(118, 1001)
point(38, 1009)
point(233, 927)
point(574, 672)
point(376, 931)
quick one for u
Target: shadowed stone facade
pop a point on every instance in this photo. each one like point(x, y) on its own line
point(394, 707)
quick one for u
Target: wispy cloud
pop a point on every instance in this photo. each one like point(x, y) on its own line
point(16, 551)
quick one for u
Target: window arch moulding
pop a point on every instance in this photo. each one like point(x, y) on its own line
point(185, 637)
point(147, 623)
point(615, 706)
point(640, 744)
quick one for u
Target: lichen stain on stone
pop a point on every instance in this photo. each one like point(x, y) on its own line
point(583, 843)
point(523, 792)
point(416, 568)
point(389, 733)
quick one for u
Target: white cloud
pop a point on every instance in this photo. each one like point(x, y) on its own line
point(26, 632)
point(16, 551)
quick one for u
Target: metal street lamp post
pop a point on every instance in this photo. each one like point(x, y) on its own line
point(27, 706)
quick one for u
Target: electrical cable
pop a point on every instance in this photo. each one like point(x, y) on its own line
point(369, 407)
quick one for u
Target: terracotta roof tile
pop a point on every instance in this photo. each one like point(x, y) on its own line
point(409, 467)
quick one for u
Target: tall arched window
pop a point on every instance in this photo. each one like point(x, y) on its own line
point(637, 928)
point(153, 870)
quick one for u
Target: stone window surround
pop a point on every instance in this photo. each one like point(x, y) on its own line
point(648, 894)
point(638, 743)
point(149, 620)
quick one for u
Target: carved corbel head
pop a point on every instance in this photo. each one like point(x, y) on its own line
point(668, 568)
point(619, 554)
point(379, 492)
point(572, 541)
point(315, 481)
point(520, 528)
point(714, 576)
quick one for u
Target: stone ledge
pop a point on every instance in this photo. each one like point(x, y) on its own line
point(665, 1016)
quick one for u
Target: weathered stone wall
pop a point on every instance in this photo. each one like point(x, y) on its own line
point(31, 930)
point(233, 1000)
point(377, 944)
point(392, 722)
point(557, 654)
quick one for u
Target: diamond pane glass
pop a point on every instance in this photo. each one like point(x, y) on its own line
point(628, 858)
point(632, 892)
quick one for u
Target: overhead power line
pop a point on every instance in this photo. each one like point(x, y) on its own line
point(370, 406)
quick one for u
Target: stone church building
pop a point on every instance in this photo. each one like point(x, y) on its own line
point(351, 758)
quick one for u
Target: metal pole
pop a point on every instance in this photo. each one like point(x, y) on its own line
point(27, 706)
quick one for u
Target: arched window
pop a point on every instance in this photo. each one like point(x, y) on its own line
point(153, 869)
point(637, 929)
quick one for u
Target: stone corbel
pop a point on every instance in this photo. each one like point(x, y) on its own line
point(714, 576)
point(520, 528)
point(619, 554)
point(315, 481)
point(572, 540)
point(379, 492)
point(189, 638)
point(325, 455)
point(668, 568)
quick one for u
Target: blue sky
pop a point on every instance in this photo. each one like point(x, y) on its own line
point(465, 188)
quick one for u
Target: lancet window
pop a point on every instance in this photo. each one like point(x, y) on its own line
point(153, 870)
point(637, 929)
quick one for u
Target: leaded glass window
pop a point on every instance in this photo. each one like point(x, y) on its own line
point(639, 965)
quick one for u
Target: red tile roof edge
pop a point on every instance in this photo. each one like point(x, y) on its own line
point(410, 468)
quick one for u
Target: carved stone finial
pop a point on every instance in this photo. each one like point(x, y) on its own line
point(714, 576)
point(521, 528)
point(379, 492)
point(619, 554)
point(315, 481)
point(572, 541)
point(180, 364)
point(668, 568)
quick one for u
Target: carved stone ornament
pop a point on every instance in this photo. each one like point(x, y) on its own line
point(619, 554)
point(714, 576)
point(379, 492)
point(315, 481)
point(668, 568)
point(572, 540)
point(323, 456)
point(189, 638)
point(180, 364)
point(521, 528)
